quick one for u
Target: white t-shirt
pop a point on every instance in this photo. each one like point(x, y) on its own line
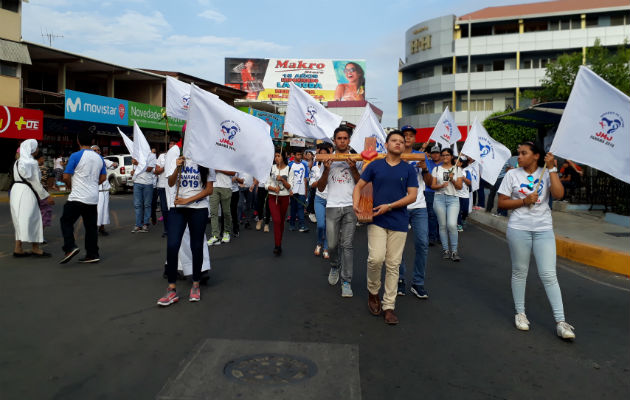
point(223, 181)
point(58, 163)
point(298, 170)
point(340, 185)
point(464, 192)
point(275, 172)
point(162, 179)
point(518, 184)
point(144, 177)
point(420, 200)
point(441, 174)
point(190, 185)
point(86, 167)
point(235, 184)
point(170, 165)
point(316, 173)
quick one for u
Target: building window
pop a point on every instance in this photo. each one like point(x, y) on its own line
point(447, 69)
point(576, 23)
point(425, 108)
point(510, 103)
point(479, 68)
point(616, 20)
point(565, 25)
point(447, 103)
point(544, 62)
point(8, 68)
point(554, 25)
point(536, 26)
point(478, 105)
point(508, 27)
point(10, 5)
point(527, 64)
point(498, 65)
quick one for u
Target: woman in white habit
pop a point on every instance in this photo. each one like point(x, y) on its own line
point(24, 201)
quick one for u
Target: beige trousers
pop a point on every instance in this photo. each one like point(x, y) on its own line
point(387, 246)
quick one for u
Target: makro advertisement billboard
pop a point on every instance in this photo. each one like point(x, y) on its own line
point(268, 79)
point(93, 108)
point(150, 116)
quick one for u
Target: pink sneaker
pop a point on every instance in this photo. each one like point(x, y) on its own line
point(195, 294)
point(169, 298)
point(161, 219)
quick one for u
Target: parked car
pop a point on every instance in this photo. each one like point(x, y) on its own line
point(120, 178)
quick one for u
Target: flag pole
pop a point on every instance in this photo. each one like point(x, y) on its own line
point(539, 182)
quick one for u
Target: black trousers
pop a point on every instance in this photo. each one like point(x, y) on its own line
point(72, 210)
point(262, 205)
point(234, 211)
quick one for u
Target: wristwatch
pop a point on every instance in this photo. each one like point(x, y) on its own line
point(389, 206)
point(554, 169)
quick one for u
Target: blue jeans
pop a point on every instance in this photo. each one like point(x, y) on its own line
point(544, 246)
point(142, 196)
point(419, 220)
point(433, 222)
point(196, 220)
point(320, 214)
point(463, 210)
point(297, 208)
point(447, 208)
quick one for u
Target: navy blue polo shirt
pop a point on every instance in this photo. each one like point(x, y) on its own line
point(390, 184)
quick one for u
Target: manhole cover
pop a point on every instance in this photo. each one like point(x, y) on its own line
point(270, 369)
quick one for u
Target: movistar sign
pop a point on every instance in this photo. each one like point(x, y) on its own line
point(93, 108)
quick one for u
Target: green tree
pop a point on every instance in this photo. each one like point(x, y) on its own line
point(613, 66)
point(508, 134)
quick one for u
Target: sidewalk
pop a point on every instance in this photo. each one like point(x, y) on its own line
point(581, 236)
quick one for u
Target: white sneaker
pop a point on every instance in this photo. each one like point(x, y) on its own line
point(346, 290)
point(333, 276)
point(565, 331)
point(266, 228)
point(226, 238)
point(213, 241)
point(313, 218)
point(521, 322)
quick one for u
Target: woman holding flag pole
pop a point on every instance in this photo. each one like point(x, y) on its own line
point(279, 188)
point(530, 228)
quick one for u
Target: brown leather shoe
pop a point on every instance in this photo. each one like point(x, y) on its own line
point(390, 317)
point(374, 304)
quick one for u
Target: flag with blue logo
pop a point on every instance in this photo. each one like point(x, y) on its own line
point(368, 126)
point(220, 136)
point(446, 132)
point(490, 154)
point(594, 127)
point(178, 98)
point(306, 117)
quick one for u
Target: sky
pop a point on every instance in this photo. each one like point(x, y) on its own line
point(194, 36)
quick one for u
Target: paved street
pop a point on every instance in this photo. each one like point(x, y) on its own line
point(94, 331)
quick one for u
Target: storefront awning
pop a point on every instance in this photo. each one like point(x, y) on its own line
point(536, 116)
point(14, 52)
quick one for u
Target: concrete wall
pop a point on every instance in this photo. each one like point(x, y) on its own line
point(10, 25)
point(10, 92)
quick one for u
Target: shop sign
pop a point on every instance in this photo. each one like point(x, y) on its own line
point(93, 108)
point(297, 142)
point(150, 116)
point(21, 123)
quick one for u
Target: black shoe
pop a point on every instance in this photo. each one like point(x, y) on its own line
point(277, 250)
point(69, 255)
point(401, 288)
point(89, 260)
point(419, 291)
point(43, 254)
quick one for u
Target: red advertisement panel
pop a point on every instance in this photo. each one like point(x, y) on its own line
point(21, 123)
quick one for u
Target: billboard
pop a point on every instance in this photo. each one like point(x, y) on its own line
point(21, 123)
point(94, 108)
point(275, 121)
point(267, 79)
point(149, 116)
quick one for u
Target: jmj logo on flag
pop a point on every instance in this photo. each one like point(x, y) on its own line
point(449, 128)
point(229, 129)
point(311, 112)
point(609, 123)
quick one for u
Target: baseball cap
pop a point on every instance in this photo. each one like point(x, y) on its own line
point(435, 149)
point(407, 128)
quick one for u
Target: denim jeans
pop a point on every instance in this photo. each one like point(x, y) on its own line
point(142, 197)
point(320, 214)
point(297, 210)
point(447, 208)
point(433, 222)
point(341, 223)
point(419, 220)
point(163, 207)
point(196, 220)
point(463, 210)
point(543, 244)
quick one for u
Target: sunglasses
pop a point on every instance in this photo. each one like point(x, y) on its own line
point(351, 70)
point(530, 185)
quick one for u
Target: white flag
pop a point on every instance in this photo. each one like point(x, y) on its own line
point(307, 118)
point(593, 129)
point(141, 148)
point(474, 175)
point(178, 98)
point(127, 141)
point(368, 126)
point(446, 132)
point(219, 136)
point(471, 145)
point(492, 155)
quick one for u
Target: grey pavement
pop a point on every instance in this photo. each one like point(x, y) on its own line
point(94, 331)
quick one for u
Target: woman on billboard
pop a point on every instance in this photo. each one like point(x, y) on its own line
point(355, 88)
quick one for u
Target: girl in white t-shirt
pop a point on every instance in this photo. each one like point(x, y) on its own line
point(447, 180)
point(190, 209)
point(530, 228)
point(279, 186)
point(463, 193)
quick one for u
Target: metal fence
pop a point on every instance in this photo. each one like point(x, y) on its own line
point(599, 188)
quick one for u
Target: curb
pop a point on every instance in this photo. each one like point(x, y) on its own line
point(585, 253)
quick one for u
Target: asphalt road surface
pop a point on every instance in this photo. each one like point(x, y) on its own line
point(79, 331)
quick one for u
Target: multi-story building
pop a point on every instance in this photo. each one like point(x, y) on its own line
point(509, 47)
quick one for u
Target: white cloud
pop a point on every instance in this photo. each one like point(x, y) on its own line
point(213, 15)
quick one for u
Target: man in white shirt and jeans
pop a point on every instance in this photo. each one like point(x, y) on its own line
point(143, 193)
point(84, 172)
point(340, 177)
